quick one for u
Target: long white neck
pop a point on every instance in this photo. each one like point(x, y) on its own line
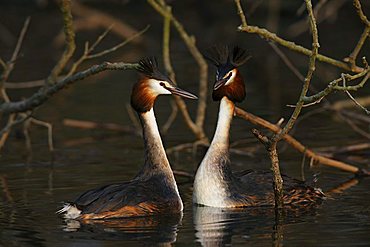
point(219, 147)
point(211, 184)
point(225, 117)
point(155, 156)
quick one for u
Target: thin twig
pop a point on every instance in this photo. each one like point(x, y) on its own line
point(133, 118)
point(88, 50)
point(197, 127)
point(100, 38)
point(4, 133)
point(116, 47)
point(84, 124)
point(50, 131)
point(353, 125)
point(13, 119)
point(297, 48)
point(307, 80)
point(333, 85)
point(27, 136)
point(278, 181)
point(3, 64)
point(171, 118)
point(287, 61)
point(169, 68)
point(351, 97)
point(10, 64)
point(352, 57)
point(22, 85)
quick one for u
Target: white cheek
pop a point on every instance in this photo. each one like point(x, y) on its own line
point(233, 74)
point(157, 88)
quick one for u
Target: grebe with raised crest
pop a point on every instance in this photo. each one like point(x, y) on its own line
point(153, 191)
point(215, 184)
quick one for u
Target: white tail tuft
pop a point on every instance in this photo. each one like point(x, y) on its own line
point(69, 211)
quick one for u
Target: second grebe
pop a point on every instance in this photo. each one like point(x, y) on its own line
point(154, 190)
point(215, 184)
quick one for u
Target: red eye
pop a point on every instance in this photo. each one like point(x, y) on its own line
point(162, 84)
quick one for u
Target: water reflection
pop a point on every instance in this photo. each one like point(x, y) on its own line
point(218, 227)
point(158, 229)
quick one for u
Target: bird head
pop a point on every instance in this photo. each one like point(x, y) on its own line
point(152, 84)
point(229, 81)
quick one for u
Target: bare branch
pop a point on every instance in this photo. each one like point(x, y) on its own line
point(44, 94)
point(27, 84)
point(241, 13)
point(171, 118)
point(84, 124)
point(286, 61)
point(360, 13)
point(8, 67)
point(261, 137)
point(352, 57)
point(50, 131)
point(333, 85)
point(294, 143)
point(69, 39)
point(311, 69)
point(292, 46)
point(133, 118)
point(197, 127)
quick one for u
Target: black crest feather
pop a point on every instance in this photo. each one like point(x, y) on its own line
point(239, 56)
point(149, 67)
point(218, 55)
point(223, 56)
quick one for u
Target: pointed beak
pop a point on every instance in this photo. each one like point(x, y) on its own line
point(219, 83)
point(182, 93)
point(221, 79)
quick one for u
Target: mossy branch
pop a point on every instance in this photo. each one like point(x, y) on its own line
point(334, 86)
point(360, 13)
point(264, 33)
point(43, 95)
point(70, 42)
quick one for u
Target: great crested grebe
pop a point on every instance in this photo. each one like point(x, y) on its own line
point(215, 184)
point(153, 191)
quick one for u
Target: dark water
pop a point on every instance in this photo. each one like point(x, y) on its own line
point(33, 187)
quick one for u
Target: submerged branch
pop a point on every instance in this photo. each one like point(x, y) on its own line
point(295, 143)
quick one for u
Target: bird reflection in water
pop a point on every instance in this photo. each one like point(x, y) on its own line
point(219, 226)
point(151, 229)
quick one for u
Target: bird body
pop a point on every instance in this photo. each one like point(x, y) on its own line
point(215, 184)
point(153, 191)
